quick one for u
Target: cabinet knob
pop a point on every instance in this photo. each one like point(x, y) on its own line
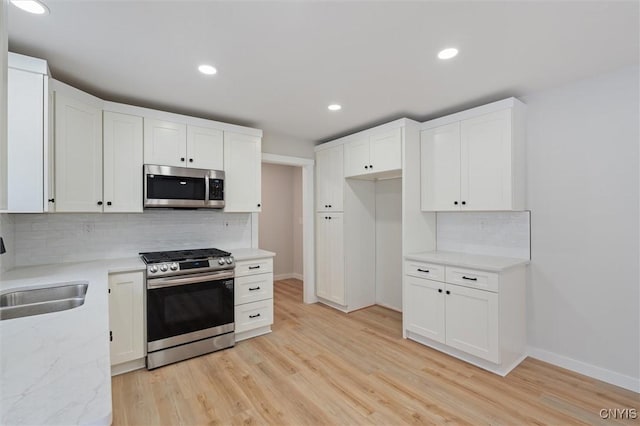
point(464, 202)
point(329, 217)
point(326, 205)
point(366, 167)
point(259, 204)
point(448, 292)
point(191, 160)
point(326, 217)
point(108, 203)
point(439, 290)
point(370, 166)
point(99, 203)
point(329, 205)
point(181, 158)
point(455, 202)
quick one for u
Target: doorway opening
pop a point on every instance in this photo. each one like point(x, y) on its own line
point(285, 225)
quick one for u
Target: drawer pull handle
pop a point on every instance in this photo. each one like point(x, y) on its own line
point(254, 316)
point(254, 267)
point(423, 270)
point(470, 279)
point(254, 288)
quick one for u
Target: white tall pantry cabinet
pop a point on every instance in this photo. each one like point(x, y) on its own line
point(346, 174)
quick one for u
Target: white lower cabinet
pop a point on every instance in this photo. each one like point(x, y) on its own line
point(126, 321)
point(474, 315)
point(253, 297)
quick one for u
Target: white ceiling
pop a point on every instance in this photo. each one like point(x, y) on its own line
point(281, 63)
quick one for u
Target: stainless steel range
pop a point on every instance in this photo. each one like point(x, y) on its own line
point(189, 304)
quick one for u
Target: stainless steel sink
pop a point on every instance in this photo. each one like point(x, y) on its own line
point(43, 300)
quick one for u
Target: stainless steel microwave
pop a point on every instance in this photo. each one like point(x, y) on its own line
point(181, 187)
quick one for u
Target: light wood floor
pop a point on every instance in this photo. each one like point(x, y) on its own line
point(323, 367)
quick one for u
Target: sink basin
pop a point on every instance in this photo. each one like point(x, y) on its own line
point(43, 300)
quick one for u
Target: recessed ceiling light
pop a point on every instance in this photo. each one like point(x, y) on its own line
point(31, 6)
point(448, 53)
point(334, 107)
point(207, 69)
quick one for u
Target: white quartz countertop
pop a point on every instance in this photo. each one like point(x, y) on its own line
point(464, 260)
point(250, 254)
point(55, 368)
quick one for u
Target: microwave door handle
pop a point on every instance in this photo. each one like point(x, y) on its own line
point(206, 189)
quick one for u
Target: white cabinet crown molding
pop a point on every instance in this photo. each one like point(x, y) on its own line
point(179, 118)
point(27, 63)
point(402, 122)
point(472, 112)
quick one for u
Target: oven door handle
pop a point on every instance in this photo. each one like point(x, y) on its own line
point(193, 279)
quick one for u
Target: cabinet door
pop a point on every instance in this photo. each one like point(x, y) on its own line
point(242, 169)
point(205, 148)
point(330, 179)
point(356, 157)
point(25, 141)
point(323, 285)
point(424, 304)
point(122, 146)
point(486, 162)
point(440, 168)
point(385, 151)
point(78, 156)
point(336, 258)
point(472, 321)
point(165, 143)
point(126, 316)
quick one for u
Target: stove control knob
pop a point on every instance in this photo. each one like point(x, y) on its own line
point(174, 266)
point(229, 260)
point(221, 261)
point(163, 267)
point(153, 269)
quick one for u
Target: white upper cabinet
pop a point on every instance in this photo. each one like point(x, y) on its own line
point(375, 154)
point(356, 157)
point(330, 179)
point(180, 145)
point(122, 162)
point(475, 163)
point(440, 168)
point(165, 143)
point(26, 96)
point(385, 151)
point(485, 160)
point(78, 155)
point(243, 172)
point(205, 148)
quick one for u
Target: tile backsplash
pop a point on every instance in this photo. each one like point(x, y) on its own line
point(489, 233)
point(7, 232)
point(54, 238)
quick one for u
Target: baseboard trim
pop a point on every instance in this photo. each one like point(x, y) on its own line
point(599, 373)
point(288, 276)
point(393, 308)
point(128, 366)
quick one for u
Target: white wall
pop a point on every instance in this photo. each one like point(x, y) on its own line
point(278, 143)
point(277, 221)
point(54, 238)
point(583, 191)
point(389, 243)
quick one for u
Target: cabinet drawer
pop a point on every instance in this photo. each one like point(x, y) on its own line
point(253, 267)
point(472, 278)
point(253, 315)
point(252, 288)
point(424, 270)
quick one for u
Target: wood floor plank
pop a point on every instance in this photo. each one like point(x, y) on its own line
point(323, 367)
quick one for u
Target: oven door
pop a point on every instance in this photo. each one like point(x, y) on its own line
point(188, 308)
